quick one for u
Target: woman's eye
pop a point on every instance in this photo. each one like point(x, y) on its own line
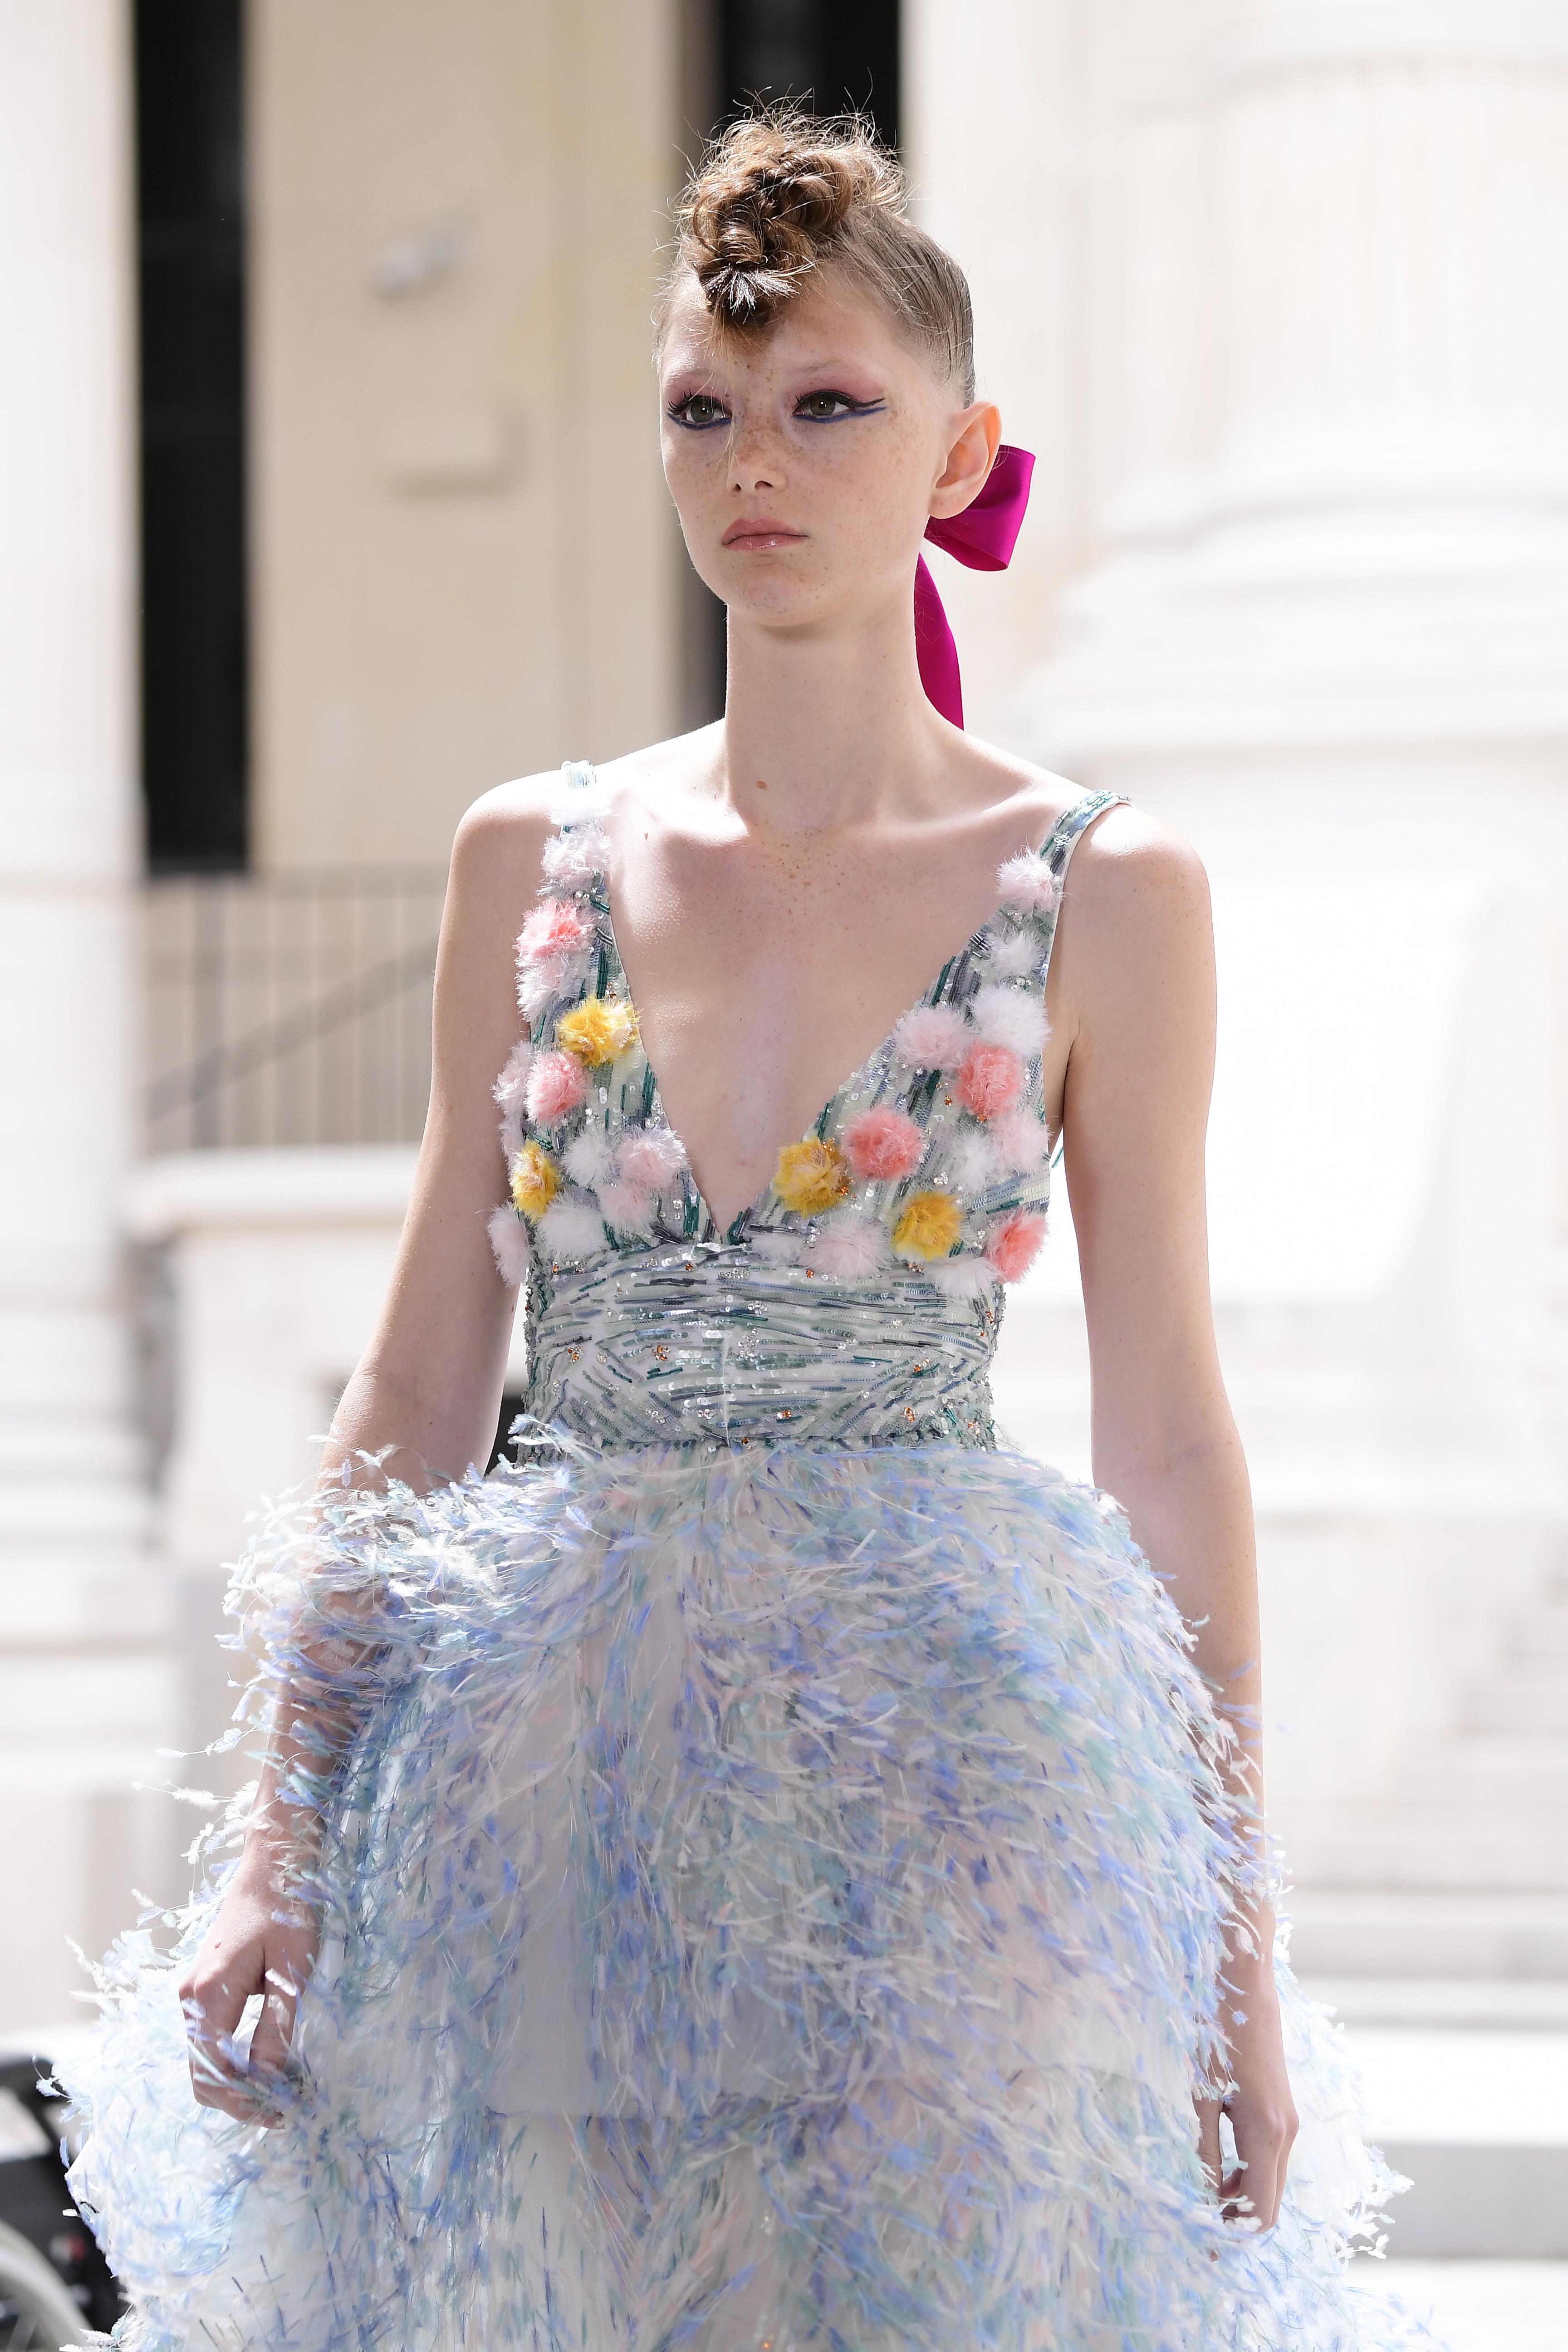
point(824, 407)
point(699, 410)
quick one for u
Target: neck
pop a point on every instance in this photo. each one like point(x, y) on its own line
point(832, 718)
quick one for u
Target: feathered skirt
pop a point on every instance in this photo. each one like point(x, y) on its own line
point(770, 1899)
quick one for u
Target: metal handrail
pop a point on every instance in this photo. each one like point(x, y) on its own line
point(236, 1058)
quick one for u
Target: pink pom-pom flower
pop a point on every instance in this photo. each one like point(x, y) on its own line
point(989, 1081)
point(556, 1085)
point(555, 928)
point(882, 1146)
point(629, 1209)
point(932, 1037)
point(510, 1241)
point(574, 859)
point(1027, 882)
point(1013, 1244)
point(652, 1159)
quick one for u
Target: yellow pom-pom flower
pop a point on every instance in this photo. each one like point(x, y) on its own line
point(535, 1181)
point(929, 1225)
point(598, 1030)
point(811, 1175)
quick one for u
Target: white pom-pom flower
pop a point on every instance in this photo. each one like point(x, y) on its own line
point(932, 1037)
point(963, 1278)
point(512, 1135)
point(590, 1158)
point(579, 804)
point(776, 1248)
point(848, 1245)
point(1007, 1016)
point(972, 1161)
point(1027, 883)
point(511, 1087)
point(539, 985)
point(509, 1241)
point(1021, 1139)
point(574, 859)
point(572, 1229)
point(1012, 955)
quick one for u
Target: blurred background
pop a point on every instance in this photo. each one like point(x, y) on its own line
point(330, 498)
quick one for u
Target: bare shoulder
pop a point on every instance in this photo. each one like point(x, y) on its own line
point(499, 842)
point(1136, 921)
point(1129, 869)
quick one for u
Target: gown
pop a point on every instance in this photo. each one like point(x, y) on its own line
point(777, 1868)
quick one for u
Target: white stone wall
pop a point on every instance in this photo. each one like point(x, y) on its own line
point(87, 1684)
point(1287, 287)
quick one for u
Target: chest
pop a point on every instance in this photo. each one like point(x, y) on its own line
point(766, 972)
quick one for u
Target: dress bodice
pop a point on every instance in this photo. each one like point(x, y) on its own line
point(857, 1300)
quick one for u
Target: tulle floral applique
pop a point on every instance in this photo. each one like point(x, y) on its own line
point(933, 1158)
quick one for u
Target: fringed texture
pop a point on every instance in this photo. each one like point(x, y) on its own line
point(1027, 883)
point(1013, 1243)
point(574, 860)
point(571, 1231)
point(651, 1160)
point(590, 1158)
point(932, 1037)
point(838, 1838)
point(963, 1278)
point(849, 1245)
point(1014, 954)
point(1009, 1016)
point(1021, 1141)
point(510, 1243)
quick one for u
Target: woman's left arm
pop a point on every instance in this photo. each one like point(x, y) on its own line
point(1134, 990)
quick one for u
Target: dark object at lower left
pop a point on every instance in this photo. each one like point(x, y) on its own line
point(37, 2205)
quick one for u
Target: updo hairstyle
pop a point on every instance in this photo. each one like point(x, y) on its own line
point(780, 194)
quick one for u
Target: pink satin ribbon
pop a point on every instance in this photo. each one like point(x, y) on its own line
point(983, 537)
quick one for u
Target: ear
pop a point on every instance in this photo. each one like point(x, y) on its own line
point(975, 435)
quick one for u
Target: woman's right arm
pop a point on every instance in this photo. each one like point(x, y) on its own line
point(420, 1408)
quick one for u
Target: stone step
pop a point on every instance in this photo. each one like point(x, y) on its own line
point(1517, 1704)
point(1490, 1769)
point(1542, 1633)
point(1513, 2004)
point(1353, 1931)
point(1542, 1667)
point(1450, 1848)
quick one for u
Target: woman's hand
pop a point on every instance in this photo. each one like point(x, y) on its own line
point(1261, 2110)
point(263, 1940)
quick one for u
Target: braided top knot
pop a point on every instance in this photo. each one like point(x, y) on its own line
point(772, 201)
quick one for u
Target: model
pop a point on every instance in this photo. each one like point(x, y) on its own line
point(775, 1866)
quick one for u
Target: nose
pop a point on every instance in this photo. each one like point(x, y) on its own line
point(756, 458)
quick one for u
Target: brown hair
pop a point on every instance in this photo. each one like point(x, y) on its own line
point(779, 195)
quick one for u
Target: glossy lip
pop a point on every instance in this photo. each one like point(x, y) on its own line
point(760, 532)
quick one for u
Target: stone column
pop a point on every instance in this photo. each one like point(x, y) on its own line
point(1319, 623)
point(84, 1685)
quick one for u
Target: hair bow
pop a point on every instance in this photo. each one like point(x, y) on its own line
point(983, 537)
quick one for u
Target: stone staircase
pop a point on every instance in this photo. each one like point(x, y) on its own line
point(1454, 1904)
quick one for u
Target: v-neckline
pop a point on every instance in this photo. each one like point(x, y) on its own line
point(708, 1223)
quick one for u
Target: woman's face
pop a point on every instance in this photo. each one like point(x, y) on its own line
point(805, 462)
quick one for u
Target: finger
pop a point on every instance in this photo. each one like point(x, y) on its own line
point(1208, 2140)
point(274, 2034)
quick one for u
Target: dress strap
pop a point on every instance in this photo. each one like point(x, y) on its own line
point(1056, 850)
point(1063, 838)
